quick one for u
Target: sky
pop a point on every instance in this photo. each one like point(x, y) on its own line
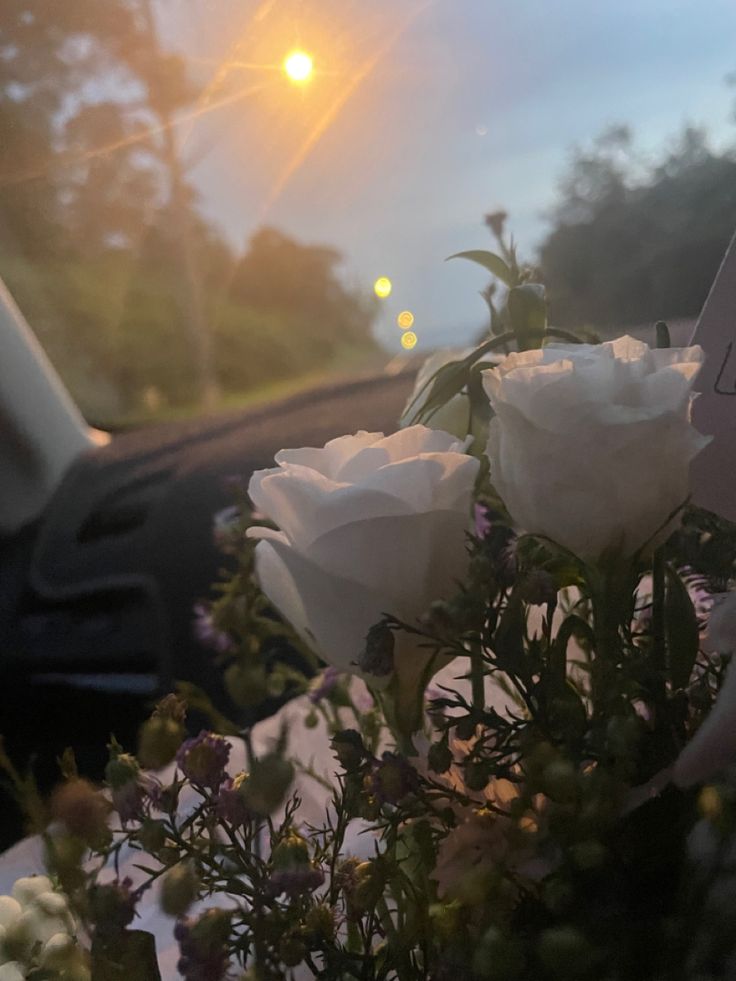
point(423, 115)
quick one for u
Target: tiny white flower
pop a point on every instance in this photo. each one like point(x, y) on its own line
point(58, 950)
point(25, 890)
point(12, 971)
point(10, 910)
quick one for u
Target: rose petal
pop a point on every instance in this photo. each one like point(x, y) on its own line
point(412, 559)
point(331, 613)
point(329, 458)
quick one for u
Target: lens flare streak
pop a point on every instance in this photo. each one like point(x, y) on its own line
point(138, 136)
point(336, 107)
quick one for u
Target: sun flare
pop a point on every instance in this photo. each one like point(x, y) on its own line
point(298, 66)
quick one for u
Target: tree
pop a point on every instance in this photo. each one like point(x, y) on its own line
point(50, 53)
point(88, 107)
point(101, 238)
point(301, 283)
point(596, 177)
point(630, 244)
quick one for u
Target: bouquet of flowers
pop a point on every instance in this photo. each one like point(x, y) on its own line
point(515, 765)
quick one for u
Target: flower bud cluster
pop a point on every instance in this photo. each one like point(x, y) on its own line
point(203, 759)
point(293, 872)
point(37, 934)
point(162, 735)
point(203, 943)
point(112, 906)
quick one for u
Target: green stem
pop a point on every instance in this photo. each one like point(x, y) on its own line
point(403, 968)
point(477, 679)
point(606, 600)
point(562, 335)
point(658, 599)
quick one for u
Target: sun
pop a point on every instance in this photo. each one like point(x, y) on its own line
point(298, 66)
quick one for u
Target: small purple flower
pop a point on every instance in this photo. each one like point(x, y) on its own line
point(230, 805)
point(293, 871)
point(362, 698)
point(482, 520)
point(129, 786)
point(128, 799)
point(165, 798)
point(225, 524)
point(296, 881)
point(507, 561)
point(203, 945)
point(699, 591)
point(112, 905)
point(500, 542)
point(207, 633)
point(203, 759)
point(324, 684)
point(391, 778)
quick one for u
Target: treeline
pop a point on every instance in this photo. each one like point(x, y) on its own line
point(632, 240)
point(136, 297)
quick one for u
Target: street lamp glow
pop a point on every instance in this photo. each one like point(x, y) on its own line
point(298, 66)
point(409, 340)
point(382, 287)
point(405, 319)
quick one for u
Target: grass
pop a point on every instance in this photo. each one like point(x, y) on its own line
point(348, 364)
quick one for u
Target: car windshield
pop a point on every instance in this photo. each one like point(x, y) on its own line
point(207, 204)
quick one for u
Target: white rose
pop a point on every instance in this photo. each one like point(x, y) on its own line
point(454, 416)
point(591, 444)
point(368, 525)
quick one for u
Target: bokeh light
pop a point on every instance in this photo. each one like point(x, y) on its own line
point(299, 66)
point(409, 340)
point(405, 319)
point(382, 287)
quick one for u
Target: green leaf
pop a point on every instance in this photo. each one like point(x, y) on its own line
point(536, 552)
point(571, 626)
point(681, 630)
point(527, 308)
point(566, 335)
point(490, 261)
point(447, 382)
point(451, 378)
point(479, 403)
point(508, 641)
point(662, 333)
point(565, 705)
